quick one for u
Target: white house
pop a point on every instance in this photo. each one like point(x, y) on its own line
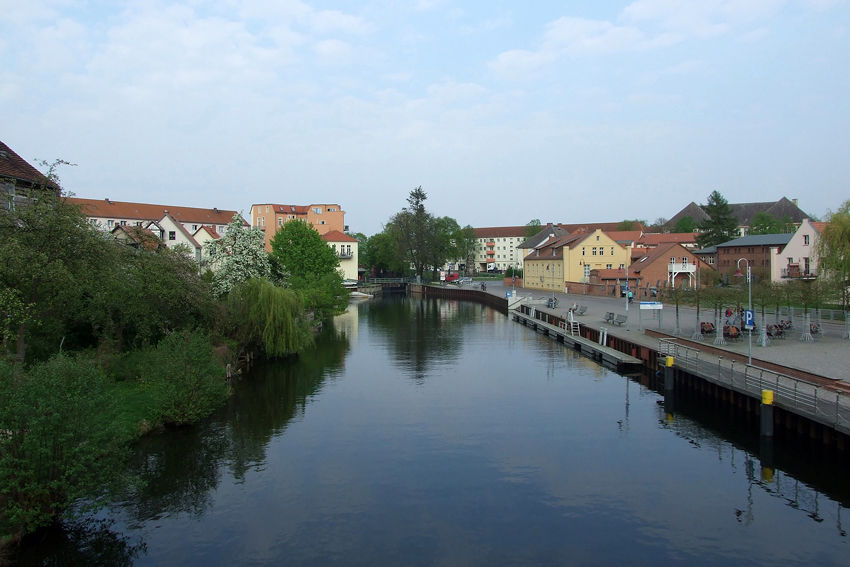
point(799, 253)
point(346, 249)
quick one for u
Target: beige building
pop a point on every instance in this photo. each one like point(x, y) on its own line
point(270, 217)
point(557, 261)
point(346, 249)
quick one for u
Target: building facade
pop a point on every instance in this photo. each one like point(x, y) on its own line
point(269, 217)
point(347, 250)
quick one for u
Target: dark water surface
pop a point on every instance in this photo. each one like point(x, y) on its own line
point(442, 433)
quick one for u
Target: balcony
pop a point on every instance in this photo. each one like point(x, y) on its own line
point(490, 244)
point(345, 255)
point(679, 268)
point(794, 272)
point(491, 252)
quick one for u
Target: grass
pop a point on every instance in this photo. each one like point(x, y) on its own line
point(134, 409)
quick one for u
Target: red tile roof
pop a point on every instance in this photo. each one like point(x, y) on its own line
point(15, 167)
point(210, 230)
point(337, 236)
point(501, 232)
point(107, 209)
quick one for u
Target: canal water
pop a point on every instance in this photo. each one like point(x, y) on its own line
point(442, 433)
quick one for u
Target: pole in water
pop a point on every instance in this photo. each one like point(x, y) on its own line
point(766, 413)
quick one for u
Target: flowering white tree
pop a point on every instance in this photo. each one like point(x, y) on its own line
point(239, 255)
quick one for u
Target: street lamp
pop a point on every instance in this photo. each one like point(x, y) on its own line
point(738, 274)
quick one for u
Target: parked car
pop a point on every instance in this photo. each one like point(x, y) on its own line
point(452, 277)
point(464, 281)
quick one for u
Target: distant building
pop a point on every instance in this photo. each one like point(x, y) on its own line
point(745, 213)
point(670, 262)
point(18, 179)
point(764, 252)
point(497, 247)
point(108, 214)
point(269, 217)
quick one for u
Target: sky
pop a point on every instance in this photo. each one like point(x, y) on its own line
point(503, 112)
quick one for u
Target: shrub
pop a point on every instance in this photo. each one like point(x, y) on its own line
point(184, 378)
point(57, 441)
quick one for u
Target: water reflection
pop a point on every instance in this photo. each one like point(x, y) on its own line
point(83, 543)
point(472, 440)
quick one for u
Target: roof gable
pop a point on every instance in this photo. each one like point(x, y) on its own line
point(15, 167)
point(144, 211)
point(337, 236)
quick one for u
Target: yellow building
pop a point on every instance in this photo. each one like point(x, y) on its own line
point(555, 262)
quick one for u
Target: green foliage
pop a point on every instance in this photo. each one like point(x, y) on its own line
point(58, 441)
point(303, 251)
point(833, 251)
point(764, 223)
point(720, 226)
point(626, 225)
point(686, 225)
point(381, 253)
point(510, 272)
point(184, 378)
point(270, 317)
point(323, 294)
point(532, 227)
point(465, 240)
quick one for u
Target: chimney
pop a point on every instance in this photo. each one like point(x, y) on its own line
point(795, 202)
point(215, 209)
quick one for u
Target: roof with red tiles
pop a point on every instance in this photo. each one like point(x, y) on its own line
point(501, 232)
point(819, 226)
point(663, 251)
point(209, 230)
point(624, 235)
point(15, 167)
point(108, 209)
point(337, 236)
point(603, 226)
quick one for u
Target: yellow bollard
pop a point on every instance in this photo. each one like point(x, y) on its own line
point(767, 397)
point(668, 361)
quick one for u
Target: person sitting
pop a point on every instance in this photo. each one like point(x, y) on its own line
point(573, 307)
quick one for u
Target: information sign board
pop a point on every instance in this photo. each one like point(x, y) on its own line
point(651, 305)
point(749, 318)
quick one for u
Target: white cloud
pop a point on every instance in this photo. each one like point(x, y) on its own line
point(688, 66)
point(521, 61)
point(578, 35)
point(700, 18)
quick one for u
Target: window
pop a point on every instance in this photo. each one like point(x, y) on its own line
point(805, 240)
point(597, 238)
point(321, 222)
point(280, 221)
point(608, 266)
point(612, 250)
point(267, 208)
point(194, 227)
point(110, 223)
point(601, 251)
point(582, 251)
point(685, 260)
point(672, 259)
point(138, 223)
point(594, 250)
point(172, 235)
point(317, 210)
point(123, 223)
point(332, 209)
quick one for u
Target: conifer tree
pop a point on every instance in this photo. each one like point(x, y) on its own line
point(721, 225)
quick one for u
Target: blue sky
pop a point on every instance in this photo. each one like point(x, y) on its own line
point(501, 111)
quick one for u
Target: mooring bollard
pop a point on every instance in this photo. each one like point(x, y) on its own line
point(767, 413)
point(668, 374)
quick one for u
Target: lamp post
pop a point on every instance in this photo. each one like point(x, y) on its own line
point(738, 274)
point(628, 290)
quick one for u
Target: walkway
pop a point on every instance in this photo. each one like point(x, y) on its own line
point(827, 356)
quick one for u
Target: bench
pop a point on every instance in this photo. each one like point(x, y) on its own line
point(620, 319)
point(609, 317)
point(581, 310)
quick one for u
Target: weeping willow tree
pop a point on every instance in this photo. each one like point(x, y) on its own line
point(269, 316)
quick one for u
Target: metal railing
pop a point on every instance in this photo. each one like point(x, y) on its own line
point(683, 355)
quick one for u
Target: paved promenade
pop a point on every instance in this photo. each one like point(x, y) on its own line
point(828, 355)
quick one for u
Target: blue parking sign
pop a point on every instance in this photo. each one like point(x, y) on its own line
point(749, 317)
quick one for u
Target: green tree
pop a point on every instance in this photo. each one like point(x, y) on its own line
point(442, 245)
point(532, 227)
point(269, 317)
point(686, 225)
point(764, 223)
point(720, 226)
point(303, 251)
point(626, 225)
point(465, 241)
point(833, 251)
point(50, 259)
point(412, 231)
point(381, 253)
point(59, 442)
